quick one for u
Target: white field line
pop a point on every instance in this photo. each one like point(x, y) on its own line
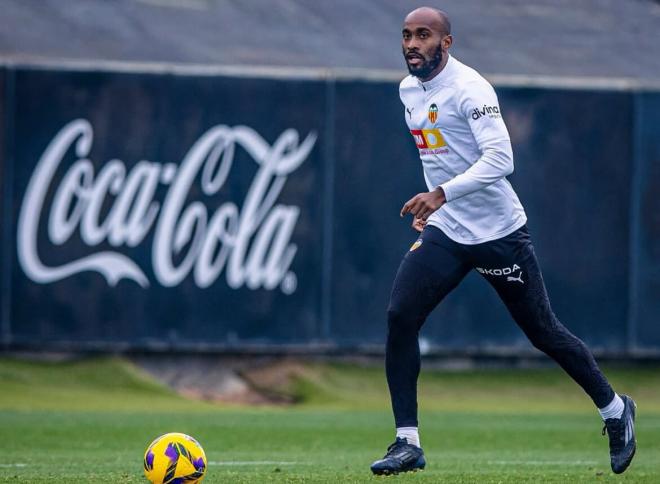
point(255, 463)
point(544, 462)
point(13, 465)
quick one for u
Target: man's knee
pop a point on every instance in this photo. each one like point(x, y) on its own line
point(396, 316)
point(552, 337)
point(401, 317)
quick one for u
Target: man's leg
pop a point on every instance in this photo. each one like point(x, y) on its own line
point(426, 275)
point(433, 266)
point(510, 266)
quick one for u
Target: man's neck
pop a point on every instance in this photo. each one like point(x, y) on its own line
point(437, 70)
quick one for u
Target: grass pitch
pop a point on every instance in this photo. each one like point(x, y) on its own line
point(91, 421)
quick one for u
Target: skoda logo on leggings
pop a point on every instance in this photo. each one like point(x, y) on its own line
point(505, 271)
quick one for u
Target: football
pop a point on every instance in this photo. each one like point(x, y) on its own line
point(174, 458)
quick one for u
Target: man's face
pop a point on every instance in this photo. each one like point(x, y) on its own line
point(423, 48)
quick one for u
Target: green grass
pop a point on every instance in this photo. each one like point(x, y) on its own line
point(91, 421)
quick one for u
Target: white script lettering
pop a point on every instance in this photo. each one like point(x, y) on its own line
point(252, 243)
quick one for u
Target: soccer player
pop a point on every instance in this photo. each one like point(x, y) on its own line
point(470, 219)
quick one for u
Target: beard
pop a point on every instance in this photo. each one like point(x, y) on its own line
point(425, 69)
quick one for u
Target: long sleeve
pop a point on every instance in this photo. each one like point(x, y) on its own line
point(480, 107)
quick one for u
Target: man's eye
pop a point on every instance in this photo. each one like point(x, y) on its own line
point(423, 35)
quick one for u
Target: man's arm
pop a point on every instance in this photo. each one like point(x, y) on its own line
point(480, 107)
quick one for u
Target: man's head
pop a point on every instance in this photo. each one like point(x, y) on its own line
point(426, 40)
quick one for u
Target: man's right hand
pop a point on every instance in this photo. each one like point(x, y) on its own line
point(418, 224)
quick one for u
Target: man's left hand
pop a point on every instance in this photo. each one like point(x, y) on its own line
point(423, 205)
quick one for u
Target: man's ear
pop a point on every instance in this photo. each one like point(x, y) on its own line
point(447, 41)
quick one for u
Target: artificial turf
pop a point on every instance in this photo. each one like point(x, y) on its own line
point(90, 421)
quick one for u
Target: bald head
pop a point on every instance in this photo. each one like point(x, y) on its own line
point(426, 41)
point(437, 19)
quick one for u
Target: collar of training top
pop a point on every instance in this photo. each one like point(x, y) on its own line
point(440, 77)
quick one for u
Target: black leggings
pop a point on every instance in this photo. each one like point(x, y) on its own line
point(435, 266)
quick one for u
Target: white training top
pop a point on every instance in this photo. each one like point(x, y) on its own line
point(464, 146)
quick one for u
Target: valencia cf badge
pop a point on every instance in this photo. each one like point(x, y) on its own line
point(433, 113)
point(416, 245)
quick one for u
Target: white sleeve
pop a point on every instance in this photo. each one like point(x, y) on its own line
point(480, 107)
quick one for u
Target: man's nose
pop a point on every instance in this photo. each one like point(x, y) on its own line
point(412, 45)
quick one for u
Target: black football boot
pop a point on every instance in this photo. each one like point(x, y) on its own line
point(621, 432)
point(401, 457)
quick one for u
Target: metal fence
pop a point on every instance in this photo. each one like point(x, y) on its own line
point(187, 211)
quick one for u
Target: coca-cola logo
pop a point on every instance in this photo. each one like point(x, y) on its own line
point(251, 243)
